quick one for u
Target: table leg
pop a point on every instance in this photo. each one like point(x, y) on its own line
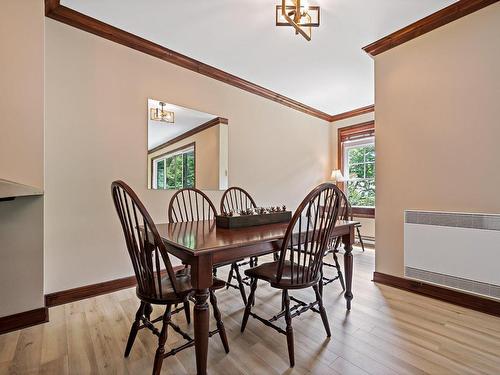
point(201, 327)
point(348, 240)
point(201, 279)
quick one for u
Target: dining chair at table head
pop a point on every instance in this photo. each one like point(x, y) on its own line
point(345, 213)
point(190, 204)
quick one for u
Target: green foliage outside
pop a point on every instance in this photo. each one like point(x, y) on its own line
point(361, 184)
point(160, 174)
point(179, 170)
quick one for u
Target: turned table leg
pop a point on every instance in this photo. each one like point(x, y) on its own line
point(348, 240)
point(201, 327)
point(201, 273)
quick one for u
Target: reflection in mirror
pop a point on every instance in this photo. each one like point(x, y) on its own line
point(186, 148)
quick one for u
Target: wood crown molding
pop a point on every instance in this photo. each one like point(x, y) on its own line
point(189, 133)
point(23, 320)
point(470, 301)
point(353, 113)
point(58, 12)
point(440, 18)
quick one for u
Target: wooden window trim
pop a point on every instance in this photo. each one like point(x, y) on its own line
point(365, 129)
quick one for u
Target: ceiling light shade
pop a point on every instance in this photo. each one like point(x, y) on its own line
point(301, 16)
point(160, 114)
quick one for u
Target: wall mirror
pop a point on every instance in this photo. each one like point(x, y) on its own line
point(186, 148)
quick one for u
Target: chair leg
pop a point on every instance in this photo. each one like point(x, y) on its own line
point(218, 319)
point(214, 272)
point(187, 311)
point(240, 283)
point(321, 283)
point(148, 309)
point(160, 352)
point(322, 310)
point(360, 239)
point(230, 276)
point(337, 244)
point(249, 303)
point(135, 328)
point(339, 271)
point(255, 261)
point(289, 329)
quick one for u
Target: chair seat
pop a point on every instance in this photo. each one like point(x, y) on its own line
point(269, 272)
point(183, 278)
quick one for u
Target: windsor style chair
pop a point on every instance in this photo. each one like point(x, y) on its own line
point(347, 214)
point(156, 285)
point(191, 204)
point(334, 242)
point(236, 199)
point(300, 261)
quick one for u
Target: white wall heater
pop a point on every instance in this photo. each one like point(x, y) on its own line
point(456, 250)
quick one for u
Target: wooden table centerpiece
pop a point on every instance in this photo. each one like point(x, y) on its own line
point(253, 216)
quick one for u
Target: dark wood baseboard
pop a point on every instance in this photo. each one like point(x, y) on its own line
point(471, 301)
point(88, 291)
point(24, 319)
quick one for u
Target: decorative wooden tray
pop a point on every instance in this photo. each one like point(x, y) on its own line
point(242, 221)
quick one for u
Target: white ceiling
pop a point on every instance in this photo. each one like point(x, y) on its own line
point(331, 73)
point(185, 119)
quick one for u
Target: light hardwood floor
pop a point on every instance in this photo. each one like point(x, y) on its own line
point(388, 332)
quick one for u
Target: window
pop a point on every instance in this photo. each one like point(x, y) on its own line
point(175, 170)
point(357, 162)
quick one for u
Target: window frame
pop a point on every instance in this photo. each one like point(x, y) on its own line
point(349, 133)
point(172, 153)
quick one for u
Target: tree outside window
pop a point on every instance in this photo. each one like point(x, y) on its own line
point(359, 167)
point(175, 170)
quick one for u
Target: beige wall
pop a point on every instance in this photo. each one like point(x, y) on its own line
point(96, 95)
point(437, 109)
point(206, 157)
point(368, 224)
point(21, 91)
point(21, 153)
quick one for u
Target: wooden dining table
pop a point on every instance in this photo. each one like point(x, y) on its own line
point(202, 245)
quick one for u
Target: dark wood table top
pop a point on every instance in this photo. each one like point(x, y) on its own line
point(201, 237)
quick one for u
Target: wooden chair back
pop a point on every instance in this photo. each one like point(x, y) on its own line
point(236, 199)
point(306, 238)
point(190, 204)
point(145, 246)
point(345, 212)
